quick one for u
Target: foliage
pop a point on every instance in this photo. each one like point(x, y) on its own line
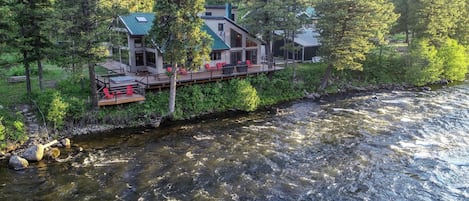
point(244, 95)
point(348, 27)
point(436, 19)
point(3, 133)
point(455, 60)
point(425, 67)
point(177, 29)
point(384, 64)
point(57, 111)
point(263, 18)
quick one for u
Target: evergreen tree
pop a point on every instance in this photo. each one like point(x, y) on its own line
point(7, 24)
point(350, 29)
point(177, 31)
point(462, 25)
point(403, 22)
point(436, 19)
point(262, 18)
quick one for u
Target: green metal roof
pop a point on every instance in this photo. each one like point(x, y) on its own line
point(218, 43)
point(140, 28)
point(135, 27)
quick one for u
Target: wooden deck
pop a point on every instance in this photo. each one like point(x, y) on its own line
point(121, 99)
point(118, 79)
point(161, 80)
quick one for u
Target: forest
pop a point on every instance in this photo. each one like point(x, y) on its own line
point(363, 42)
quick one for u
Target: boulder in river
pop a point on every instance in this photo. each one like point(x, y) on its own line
point(18, 163)
point(34, 153)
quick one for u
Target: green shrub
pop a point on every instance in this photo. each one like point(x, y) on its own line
point(244, 95)
point(455, 62)
point(2, 134)
point(76, 107)
point(57, 111)
point(15, 71)
point(425, 67)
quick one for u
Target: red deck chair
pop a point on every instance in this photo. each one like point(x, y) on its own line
point(248, 62)
point(130, 90)
point(182, 71)
point(107, 94)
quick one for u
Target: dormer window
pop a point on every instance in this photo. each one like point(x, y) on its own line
point(141, 19)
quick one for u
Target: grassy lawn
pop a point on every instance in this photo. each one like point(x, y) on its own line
point(16, 92)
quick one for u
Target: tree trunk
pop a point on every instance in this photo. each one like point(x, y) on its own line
point(325, 79)
point(39, 73)
point(268, 52)
point(172, 92)
point(93, 92)
point(27, 72)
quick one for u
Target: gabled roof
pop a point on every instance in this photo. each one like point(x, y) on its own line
point(231, 22)
point(140, 28)
point(136, 27)
point(218, 43)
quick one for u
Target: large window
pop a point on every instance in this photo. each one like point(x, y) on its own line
point(151, 59)
point(236, 56)
point(215, 56)
point(139, 59)
point(252, 56)
point(236, 39)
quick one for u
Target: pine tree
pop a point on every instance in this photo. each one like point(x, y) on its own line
point(350, 29)
point(177, 31)
point(436, 19)
point(262, 18)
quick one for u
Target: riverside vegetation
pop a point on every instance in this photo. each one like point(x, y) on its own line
point(64, 105)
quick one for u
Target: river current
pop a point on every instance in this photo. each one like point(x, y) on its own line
point(394, 145)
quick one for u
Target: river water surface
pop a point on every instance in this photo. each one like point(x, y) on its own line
point(395, 145)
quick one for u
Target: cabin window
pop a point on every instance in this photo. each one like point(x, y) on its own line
point(220, 26)
point(138, 42)
point(236, 39)
point(236, 56)
point(251, 55)
point(250, 43)
point(151, 59)
point(208, 13)
point(139, 59)
point(215, 56)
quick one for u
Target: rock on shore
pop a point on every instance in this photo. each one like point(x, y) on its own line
point(18, 163)
point(34, 153)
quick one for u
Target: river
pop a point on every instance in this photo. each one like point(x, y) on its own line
point(395, 145)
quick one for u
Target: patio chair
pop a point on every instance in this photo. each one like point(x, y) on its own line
point(107, 94)
point(248, 62)
point(182, 71)
point(129, 90)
